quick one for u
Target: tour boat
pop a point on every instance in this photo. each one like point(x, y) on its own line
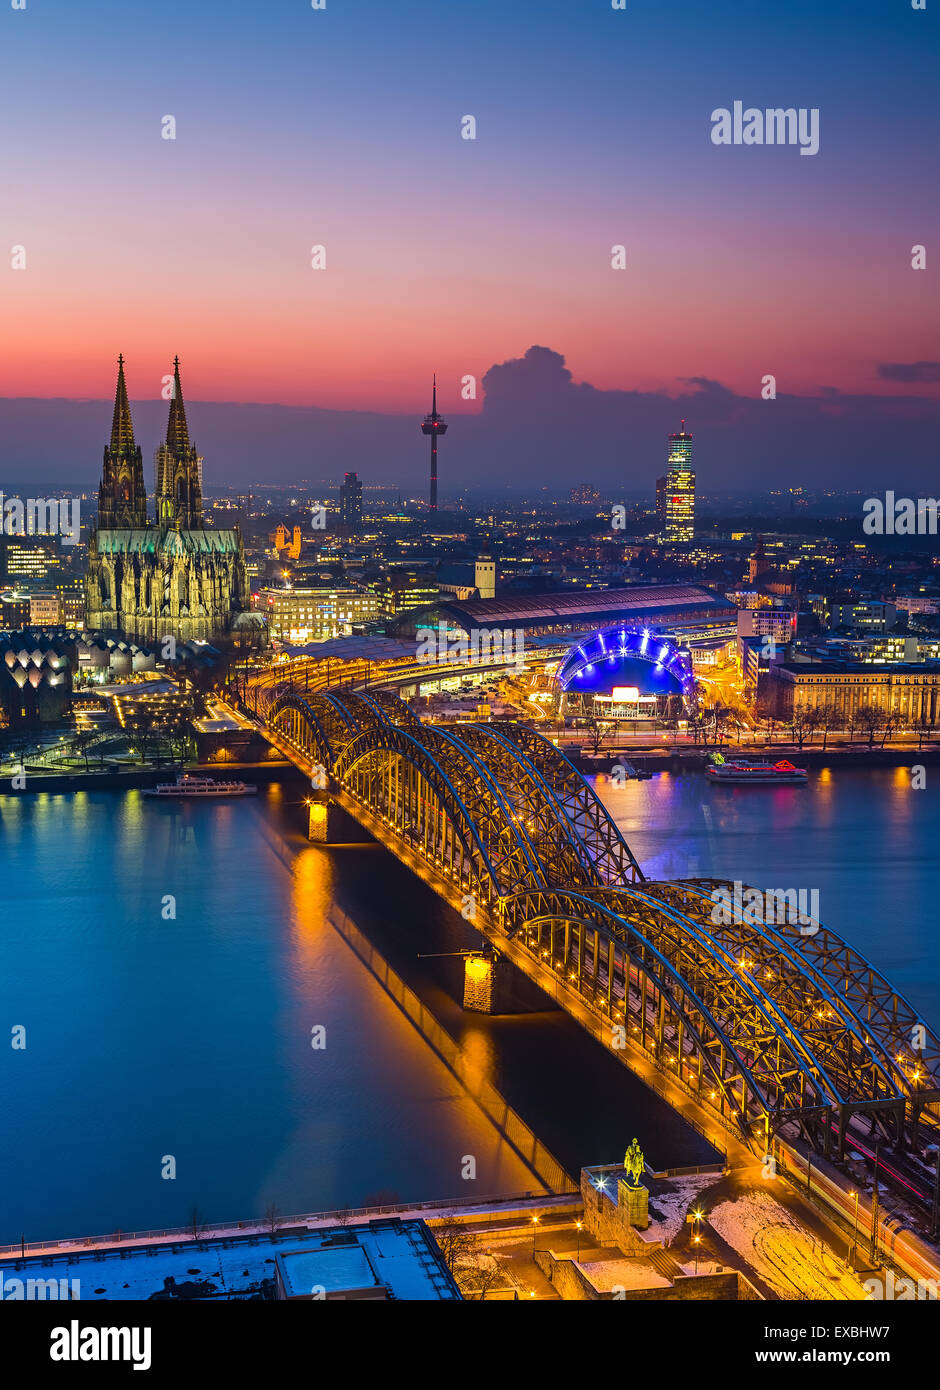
point(745, 772)
point(189, 785)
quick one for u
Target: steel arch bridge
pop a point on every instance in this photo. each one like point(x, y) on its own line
point(776, 1029)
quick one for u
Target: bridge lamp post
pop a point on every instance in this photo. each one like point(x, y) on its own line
point(855, 1231)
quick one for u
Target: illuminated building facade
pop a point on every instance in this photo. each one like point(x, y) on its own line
point(45, 610)
point(405, 590)
point(177, 577)
point(286, 544)
point(313, 615)
point(14, 610)
point(27, 559)
point(484, 574)
point(679, 497)
point(911, 692)
point(777, 623)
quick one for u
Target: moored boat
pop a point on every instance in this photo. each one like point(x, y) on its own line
point(189, 785)
point(750, 772)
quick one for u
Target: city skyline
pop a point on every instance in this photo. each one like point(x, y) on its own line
point(536, 426)
point(497, 870)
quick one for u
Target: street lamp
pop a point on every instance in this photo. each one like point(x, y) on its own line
point(578, 1227)
point(696, 1234)
point(535, 1231)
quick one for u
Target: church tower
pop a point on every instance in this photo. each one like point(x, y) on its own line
point(178, 469)
point(177, 578)
point(122, 497)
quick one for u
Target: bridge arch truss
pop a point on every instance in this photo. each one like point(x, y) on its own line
point(776, 1028)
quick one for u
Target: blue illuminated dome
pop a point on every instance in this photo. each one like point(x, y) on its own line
point(617, 656)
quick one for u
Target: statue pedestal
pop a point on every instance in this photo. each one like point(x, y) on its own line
point(633, 1203)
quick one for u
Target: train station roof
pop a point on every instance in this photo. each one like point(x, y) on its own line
point(358, 647)
point(651, 603)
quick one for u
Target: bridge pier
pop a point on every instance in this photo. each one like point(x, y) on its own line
point(481, 978)
point(492, 984)
point(329, 824)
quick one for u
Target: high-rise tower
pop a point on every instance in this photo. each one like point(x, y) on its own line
point(178, 468)
point(122, 496)
point(679, 490)
point(434, 425)
point(350, 503)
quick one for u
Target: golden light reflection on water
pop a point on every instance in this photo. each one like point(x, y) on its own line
point(311, 896)
point(477, 1058)
point(902, 795)
point(130, 813)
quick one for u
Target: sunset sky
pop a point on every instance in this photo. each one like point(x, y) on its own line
point(342, 127)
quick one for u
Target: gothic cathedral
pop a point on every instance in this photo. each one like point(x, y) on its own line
point(173, 577)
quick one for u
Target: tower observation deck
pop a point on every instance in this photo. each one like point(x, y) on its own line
point(434, 425)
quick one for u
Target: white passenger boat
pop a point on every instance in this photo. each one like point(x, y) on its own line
point(747, 772)
point(207, 787)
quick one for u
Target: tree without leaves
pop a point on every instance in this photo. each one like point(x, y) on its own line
point(139, 728)
point(455, 1242)
point(853, 724)
point(83, 741)
point(799, 726)
point(766, 709)
point(870, 718)
point(699, 725)
point(813, 721)
point(595, 732)
point(720, 716)
point(829, 719)
point(477, 1274)
point(923, 723)
point(891, 725)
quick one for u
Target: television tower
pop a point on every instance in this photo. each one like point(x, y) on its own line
point(434, 425)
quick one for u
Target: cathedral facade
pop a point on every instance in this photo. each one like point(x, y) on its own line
point(172, 576)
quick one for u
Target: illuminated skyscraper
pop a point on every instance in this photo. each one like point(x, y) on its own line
point(679, 490)
point(350, 503)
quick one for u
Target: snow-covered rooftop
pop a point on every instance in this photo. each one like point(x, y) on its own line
point(402, 1254)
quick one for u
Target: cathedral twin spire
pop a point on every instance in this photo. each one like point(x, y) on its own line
point(179, 469)
point(122, 429)
point(122, 497)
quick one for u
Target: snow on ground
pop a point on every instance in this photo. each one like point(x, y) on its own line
point(668, 1209)
point(606, 1275)
point(785, 1254)
point(703, 1267)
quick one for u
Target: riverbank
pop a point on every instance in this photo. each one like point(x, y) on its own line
point(126, 779)
point(654, 759)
